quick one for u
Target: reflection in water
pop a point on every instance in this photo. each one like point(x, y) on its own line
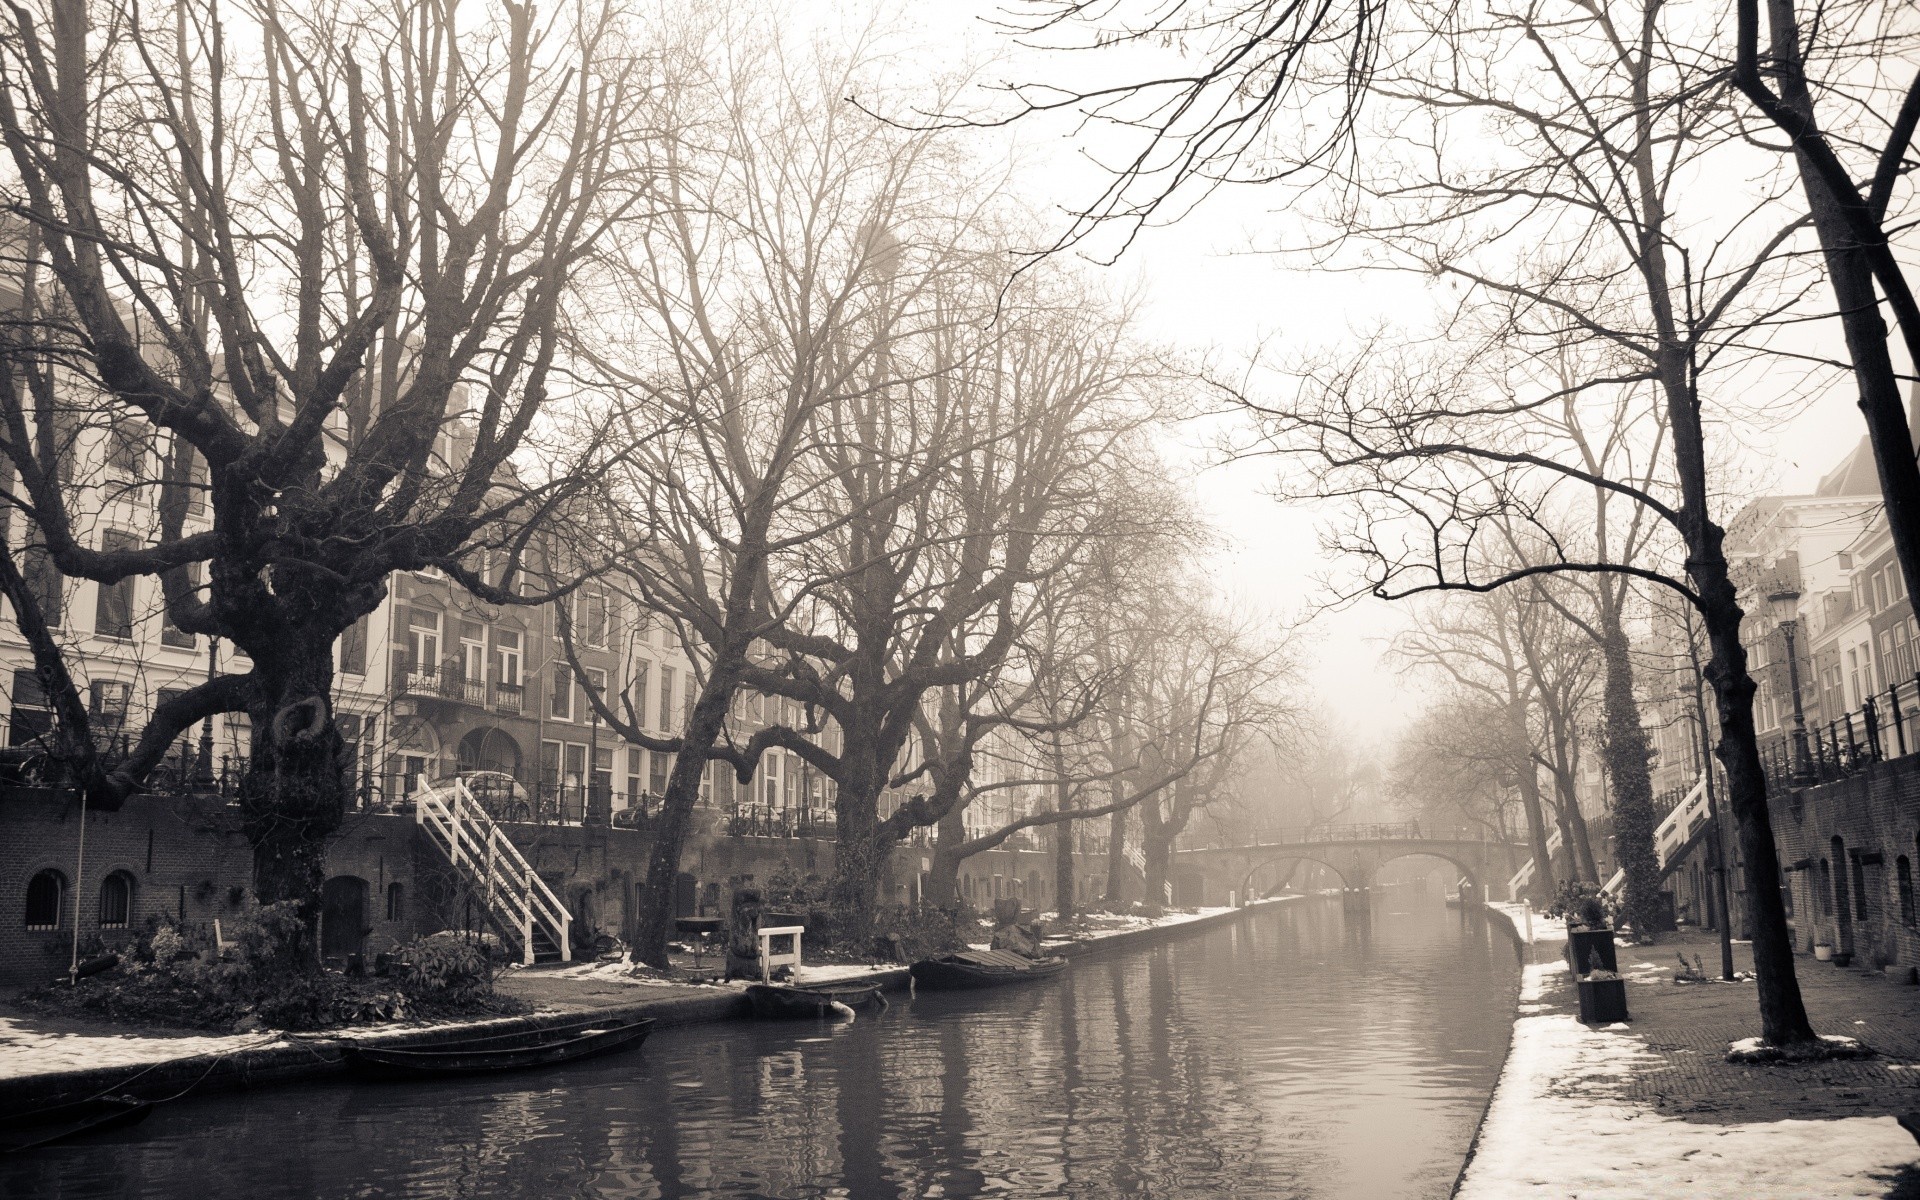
point(1307, 1053)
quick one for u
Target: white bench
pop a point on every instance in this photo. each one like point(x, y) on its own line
point(769, 960)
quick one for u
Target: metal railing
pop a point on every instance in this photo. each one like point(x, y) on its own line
point(1885, 726)
point(1391, 831)
point(758, 820)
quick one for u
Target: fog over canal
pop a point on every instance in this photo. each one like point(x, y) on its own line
point(1302, 1053)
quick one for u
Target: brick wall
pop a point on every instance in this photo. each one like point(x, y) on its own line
point(1876, 817)
point(186, 858)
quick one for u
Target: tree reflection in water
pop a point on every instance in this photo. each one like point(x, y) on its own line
point(1308, 1053)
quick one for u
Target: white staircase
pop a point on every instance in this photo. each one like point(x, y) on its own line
point(519, 901)
point(1687, 820)
point(1524, 875)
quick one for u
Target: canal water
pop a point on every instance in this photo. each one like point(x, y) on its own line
point(1305, 1052)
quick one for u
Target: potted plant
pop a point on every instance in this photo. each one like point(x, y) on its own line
point(1603, 994)
point(1842, 958)
point(1823, 951)
point(1589, 932)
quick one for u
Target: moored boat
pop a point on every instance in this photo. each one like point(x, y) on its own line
point(28, 1131)
point(983, 969)
point(502, 1052)
point(776, 1001)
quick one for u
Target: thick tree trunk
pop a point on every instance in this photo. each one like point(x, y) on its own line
point(859, 852)
point(1063, 873)
point(295, 791)
point(1783, 1016)
point(1116, 855)
point(654, 925)
point(1625, 748)
point(943, 890)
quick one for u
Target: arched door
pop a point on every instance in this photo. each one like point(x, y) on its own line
point(343, 916)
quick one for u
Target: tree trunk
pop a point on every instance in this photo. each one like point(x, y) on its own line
point(1625, 748)
point(943, 889)
point(1116, 855)
point(654, 925)
point(1783, 1016)
point(859, 856)
point(1542, 885)
point(1063, 872)
point(295, 791)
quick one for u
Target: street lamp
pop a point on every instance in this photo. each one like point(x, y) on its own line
point(1786, 611)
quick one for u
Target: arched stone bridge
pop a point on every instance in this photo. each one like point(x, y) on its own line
point(1353, 852)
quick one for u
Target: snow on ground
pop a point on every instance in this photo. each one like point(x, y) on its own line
point(622, 970)
point(1545, 929)
point(1559, 1126)
point(25, 1051)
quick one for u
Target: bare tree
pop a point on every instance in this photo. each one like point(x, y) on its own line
point(799, 255)
point(318, 260)
point(1857, 57)
point(1574, 239)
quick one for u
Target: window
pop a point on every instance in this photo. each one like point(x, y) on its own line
point(506, 657)
point(32, 716)
point(1903, 879)
point(666, 696)
point(396, 901)
point(603, 771)
point(46, 584)
point(560, 700)
point(353, 647)
point(549, 767)
point(116, 900)
point(597, 680)
point(595, 606)
point(113, 608)
point(637, 692)
point(423, 645)
point(473, 651)
point(658, 782)
point(107, 705)
point(636, 775)
point(352, 727)
point(46, 900)
point(127, 446)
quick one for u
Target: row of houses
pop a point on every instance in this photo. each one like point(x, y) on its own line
point(1834, 649)
point(433, 684)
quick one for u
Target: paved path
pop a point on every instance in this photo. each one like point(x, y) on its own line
point(1688, 1026)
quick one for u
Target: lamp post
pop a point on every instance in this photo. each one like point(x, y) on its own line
point(1786, 610)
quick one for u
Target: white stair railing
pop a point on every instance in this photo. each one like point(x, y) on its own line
point(1524, 875)
point(1673, 834)
point(517, 898)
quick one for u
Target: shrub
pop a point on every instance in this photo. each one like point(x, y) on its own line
point(445, 968)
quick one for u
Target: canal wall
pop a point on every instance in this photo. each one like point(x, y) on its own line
point(185, 859)
point(296, 1057)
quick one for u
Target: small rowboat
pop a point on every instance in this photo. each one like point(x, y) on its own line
point(983, 969)
point(776, 1002)
point(502, 1052)
point(33, 1130)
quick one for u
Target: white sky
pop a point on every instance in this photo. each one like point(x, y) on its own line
point(1202, 289)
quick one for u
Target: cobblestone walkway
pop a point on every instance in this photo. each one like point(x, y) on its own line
point(1689, 1026)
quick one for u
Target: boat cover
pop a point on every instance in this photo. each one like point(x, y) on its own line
point(1005, 960)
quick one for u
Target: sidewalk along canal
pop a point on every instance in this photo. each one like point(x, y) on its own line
point(41, 1064)
point(1651, 1107)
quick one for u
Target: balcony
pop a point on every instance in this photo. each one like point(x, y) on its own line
point(441, 685)
point(509, 699)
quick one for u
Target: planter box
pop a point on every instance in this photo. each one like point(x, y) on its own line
point(1603, 1001)
point(1583, 944)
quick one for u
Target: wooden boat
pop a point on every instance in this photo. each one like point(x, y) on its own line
point(63, 1121)
point(502, 1052)
point(782, 1002)
point(983, 969)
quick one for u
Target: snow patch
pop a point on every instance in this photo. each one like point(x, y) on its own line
point(1560, 1126)
point(26, 1051)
